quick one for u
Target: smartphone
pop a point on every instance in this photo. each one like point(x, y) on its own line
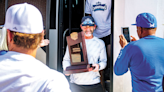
point(125, 31)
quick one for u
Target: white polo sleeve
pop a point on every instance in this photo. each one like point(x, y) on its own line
point(103, 58)
point(66, 59)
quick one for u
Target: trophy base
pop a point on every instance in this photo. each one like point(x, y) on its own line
point(78, 69)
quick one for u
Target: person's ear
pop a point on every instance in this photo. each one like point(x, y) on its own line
point(81, 26)
point(94, 27)
point(139, 32)
point(9, 35)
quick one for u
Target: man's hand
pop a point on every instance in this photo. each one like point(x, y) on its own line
point(96, 69)
point(67, 74)
point(133, 38)
point(123, 41)
point(44, 42)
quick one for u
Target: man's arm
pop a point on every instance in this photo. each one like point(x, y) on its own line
point(122, 63)
point(102, 60)
point(66, 60)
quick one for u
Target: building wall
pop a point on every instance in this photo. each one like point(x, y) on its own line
point(40, 4)
point(2, 12)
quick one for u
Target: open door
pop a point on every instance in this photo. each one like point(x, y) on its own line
point(70, 14)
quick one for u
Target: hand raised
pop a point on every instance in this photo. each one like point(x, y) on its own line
point(123, 42)
point(133, 38)
point(44, 42)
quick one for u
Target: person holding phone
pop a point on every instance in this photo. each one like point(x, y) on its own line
point(144, 57)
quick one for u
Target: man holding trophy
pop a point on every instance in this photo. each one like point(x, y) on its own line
point(87, 81)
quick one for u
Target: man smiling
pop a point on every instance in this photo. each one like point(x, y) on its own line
point(96, 53)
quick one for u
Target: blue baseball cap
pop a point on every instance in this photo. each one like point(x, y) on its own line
point(146, 20)
point(87, 21)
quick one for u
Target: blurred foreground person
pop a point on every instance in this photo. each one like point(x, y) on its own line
point(40, 55)
point(19, 70)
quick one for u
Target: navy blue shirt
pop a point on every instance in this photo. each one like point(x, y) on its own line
point(145, 59)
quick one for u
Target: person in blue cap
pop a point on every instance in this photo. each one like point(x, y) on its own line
point(96, 53)
point(144, 57)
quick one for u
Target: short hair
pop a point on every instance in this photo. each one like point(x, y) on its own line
point(148, 28)
point(27, 41)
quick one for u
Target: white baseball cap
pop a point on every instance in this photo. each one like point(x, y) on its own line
point(24, 18)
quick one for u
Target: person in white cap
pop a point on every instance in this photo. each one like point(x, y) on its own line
point(3, 42)
point(19, 70)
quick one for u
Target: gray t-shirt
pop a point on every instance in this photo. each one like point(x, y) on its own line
point(101, 12)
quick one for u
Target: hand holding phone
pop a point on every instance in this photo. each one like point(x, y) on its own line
point(133, 38)
point(125, 31)
point(123, 42)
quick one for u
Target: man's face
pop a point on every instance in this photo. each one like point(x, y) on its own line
point(88, 30)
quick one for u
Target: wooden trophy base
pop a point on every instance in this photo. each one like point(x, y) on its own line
point(78, 69)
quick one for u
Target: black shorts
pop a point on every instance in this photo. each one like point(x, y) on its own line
point(86, 88)
point(106, 39)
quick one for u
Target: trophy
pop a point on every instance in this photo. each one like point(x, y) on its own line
point(78, 54)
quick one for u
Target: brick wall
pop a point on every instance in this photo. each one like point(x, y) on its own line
point(40, 4)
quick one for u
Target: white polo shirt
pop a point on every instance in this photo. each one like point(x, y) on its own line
point(101, 12)
point(96, 53)
point(23, 73)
